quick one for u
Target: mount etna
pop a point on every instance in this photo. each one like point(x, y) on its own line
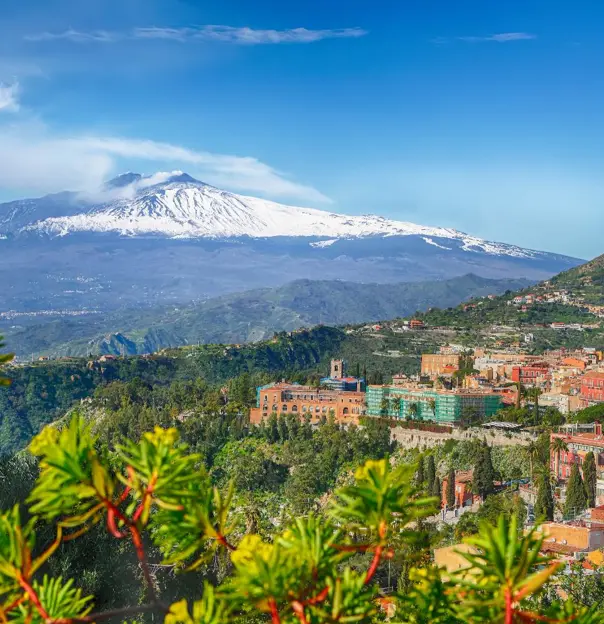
point(168, 238)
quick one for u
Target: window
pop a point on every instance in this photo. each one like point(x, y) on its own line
point(304, 408)
point(345, 411)
point(275, 407)
point(294, 408)
point(284, 408)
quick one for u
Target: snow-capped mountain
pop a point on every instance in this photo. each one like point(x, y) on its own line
point(176, 205)
point(170, 238)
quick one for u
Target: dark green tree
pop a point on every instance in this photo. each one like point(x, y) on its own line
point(419, 475)
point(544, 505)
point(429, 470)
point(435, 489)
point(484, 473)
point(576, 501)
point(451, 489)
point(589, 478)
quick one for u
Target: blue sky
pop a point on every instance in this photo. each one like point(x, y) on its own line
point(480, 115)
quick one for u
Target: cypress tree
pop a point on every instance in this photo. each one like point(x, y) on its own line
point(544, 505)
point(419, 475)
point(430, 470)
point(451, 489)
point(435, 489)
point(589, 478)
point(576, 501)
point(484, 473)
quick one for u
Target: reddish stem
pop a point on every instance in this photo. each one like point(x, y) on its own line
point(320, 597)
point(374, 564)
point(29, 590)
point(275, 619)
point(13, 604)
point(509, 610)
point(111, 526)
point(140, 553)
point(223, 540)
point(298, 608)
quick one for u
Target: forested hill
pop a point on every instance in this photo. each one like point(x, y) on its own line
point(243, 317)
point(568, 298)
point(585, 281)
point(43, 391)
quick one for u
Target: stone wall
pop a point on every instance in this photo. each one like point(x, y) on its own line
point(412, 438)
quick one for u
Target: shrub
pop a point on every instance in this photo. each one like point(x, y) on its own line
point(304, 574)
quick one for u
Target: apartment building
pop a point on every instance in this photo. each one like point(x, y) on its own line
point(445, 406)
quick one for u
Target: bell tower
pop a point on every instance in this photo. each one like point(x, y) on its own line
point(337, 369)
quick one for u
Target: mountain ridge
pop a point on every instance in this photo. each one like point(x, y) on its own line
point(170, 239)
point(175, 204)
point(246, 317)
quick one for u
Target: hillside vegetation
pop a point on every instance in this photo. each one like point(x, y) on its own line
point(244, 317)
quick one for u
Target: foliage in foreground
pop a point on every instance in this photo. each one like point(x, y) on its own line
point(157, 490)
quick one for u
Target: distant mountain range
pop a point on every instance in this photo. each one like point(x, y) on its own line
point(242, 317)
point(168, 238)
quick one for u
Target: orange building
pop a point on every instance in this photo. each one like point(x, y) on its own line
point(434, 365)
point(581, 535)
point(592, 387)
point(573, 362)
point(308, 402)
point(463, 495)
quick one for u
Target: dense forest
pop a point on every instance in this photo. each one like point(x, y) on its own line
point(43, 391)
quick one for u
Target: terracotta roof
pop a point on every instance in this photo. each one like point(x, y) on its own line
point(559, 549)
point(593, 375)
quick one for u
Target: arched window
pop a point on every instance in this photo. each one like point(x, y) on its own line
point(317, 409)
point(324, 410)
point(275, 407)
point(265, 408)
point(345, 411)
point(294, 408)
point(284, 408)
point(304, 408)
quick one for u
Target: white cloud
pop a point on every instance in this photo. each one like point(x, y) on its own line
point(9, 97)
point(227, 34)
point(500, 37)
point(31, 159)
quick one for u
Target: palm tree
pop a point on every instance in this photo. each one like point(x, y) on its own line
point(413, 411)
point(558, 445)
point(396, 405)
point(432, 406)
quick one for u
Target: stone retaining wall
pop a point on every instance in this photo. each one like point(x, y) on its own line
point(412, 438)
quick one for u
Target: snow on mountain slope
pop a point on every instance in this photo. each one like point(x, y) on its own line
point(178, 206)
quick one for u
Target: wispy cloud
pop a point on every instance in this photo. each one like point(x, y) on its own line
point(219, 33)
point(497, 38)
point(35, 159)
point(9, 101)
point(500, 37)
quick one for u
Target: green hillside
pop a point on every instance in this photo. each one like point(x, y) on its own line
point(245, 317)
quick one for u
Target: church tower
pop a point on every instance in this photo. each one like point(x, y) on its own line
point(338, 369)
